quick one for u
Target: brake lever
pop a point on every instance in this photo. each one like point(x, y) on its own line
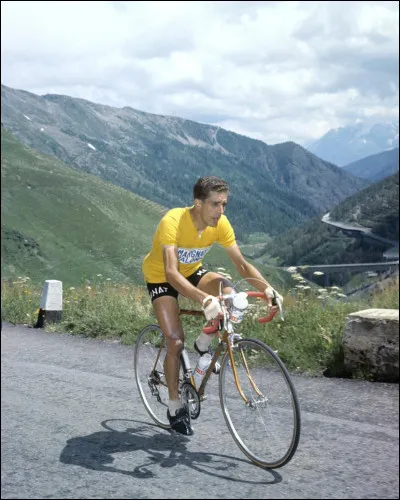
point(277, 302)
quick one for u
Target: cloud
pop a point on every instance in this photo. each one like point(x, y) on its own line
point(274, 71)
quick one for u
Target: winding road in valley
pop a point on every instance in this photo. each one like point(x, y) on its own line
point(351, 229)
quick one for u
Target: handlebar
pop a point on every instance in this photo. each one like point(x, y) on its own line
point(212, 325)
point(273, 312)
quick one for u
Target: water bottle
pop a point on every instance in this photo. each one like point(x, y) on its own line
point(238, 307)
point(201, 368)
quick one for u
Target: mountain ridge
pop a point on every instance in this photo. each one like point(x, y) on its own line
point(160, 157)
point(348, 144)
point(375, 167)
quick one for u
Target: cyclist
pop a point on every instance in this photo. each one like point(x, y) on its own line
point(174, 266)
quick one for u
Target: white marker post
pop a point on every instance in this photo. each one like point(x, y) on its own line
point(51, 304)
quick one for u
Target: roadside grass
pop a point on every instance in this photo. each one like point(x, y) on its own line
point(307, 341)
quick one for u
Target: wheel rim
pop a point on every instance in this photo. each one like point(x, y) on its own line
point(267, 427)
point(151, 384)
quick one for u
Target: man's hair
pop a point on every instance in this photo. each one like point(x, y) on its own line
point(204, 186)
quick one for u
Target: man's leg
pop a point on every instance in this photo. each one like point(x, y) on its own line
point(166, 310)
point(209, 283)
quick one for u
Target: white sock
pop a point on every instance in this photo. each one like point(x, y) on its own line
point(174, 405)
point(204, 340)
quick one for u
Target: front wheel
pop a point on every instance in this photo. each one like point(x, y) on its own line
point(265, 423)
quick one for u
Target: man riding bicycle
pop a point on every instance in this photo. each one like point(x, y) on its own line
point(174, 266)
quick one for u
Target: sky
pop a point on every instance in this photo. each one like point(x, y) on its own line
point(274, 71)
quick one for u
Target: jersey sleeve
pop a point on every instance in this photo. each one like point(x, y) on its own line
point(226, 235)
point(168, 230)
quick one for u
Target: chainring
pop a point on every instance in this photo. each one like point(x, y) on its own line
point(190, 398)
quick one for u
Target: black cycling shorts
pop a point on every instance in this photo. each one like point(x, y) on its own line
point(161, 289)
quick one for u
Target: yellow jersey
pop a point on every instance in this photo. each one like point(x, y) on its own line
point(177, 228)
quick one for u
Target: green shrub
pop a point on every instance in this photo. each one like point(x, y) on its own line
point(307, 341)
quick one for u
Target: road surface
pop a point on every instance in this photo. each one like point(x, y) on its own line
point(73, 426)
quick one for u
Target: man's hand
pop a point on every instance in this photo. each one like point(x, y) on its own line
point(269, 294)
point(211, 307)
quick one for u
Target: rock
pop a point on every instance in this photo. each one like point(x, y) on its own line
point(371, 344)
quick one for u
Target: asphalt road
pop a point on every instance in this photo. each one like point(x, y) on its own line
point(358, 229)
point(73, 426)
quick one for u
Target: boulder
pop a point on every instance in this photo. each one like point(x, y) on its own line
point(371, 344)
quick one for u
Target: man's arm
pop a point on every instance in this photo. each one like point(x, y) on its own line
point(247, 270)
point(175, 278)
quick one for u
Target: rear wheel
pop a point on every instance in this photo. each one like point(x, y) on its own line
point(150, 351)
point(266, 425)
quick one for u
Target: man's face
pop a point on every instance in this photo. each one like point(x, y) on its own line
point(213, 207)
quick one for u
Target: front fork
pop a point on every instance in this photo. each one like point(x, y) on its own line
point(231, 346)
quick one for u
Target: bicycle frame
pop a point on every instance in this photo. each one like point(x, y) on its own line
point(227, 340)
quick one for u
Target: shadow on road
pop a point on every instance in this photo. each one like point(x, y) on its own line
point(95, 451)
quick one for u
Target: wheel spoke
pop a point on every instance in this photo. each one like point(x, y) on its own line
point(267, 425)
point(150, 353)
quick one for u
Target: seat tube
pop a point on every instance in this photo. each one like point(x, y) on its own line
point(187, 369)
point(159, 352)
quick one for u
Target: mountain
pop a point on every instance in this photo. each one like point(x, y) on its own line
point(273, 188)
point(345, 145)
point(375, 167)
point(59, 223)
point(375, 207)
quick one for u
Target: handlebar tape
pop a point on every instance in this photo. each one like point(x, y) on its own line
point(269, 317)
point(260, 295)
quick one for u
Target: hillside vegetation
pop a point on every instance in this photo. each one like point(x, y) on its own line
point(59, 223)
point(308, 341)
point(62, 224)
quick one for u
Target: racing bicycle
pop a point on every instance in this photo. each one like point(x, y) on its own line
point(257, 396)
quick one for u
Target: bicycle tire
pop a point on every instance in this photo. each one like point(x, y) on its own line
point(267, 427)
point(151, 383)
